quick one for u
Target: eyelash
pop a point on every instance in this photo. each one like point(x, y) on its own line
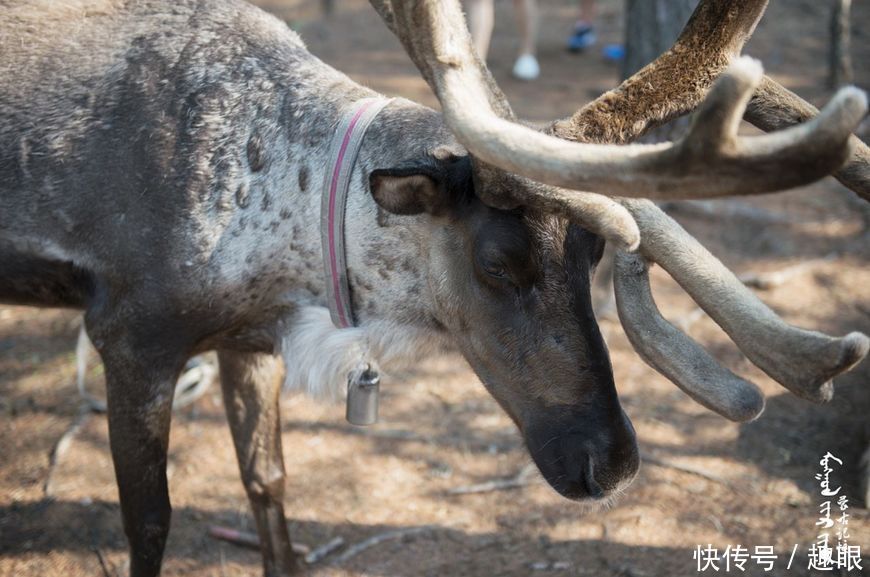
point(495, 271)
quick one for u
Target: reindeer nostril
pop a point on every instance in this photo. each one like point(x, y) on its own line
point(592, 487)
point(583, 467)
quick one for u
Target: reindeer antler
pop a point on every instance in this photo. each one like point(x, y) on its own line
point(802, 361)
point(712, 160)
point(706, 163)
point(673, 353)
point(774, 107)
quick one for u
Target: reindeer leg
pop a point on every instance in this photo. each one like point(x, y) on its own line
point(139, 385)
point(251, 385)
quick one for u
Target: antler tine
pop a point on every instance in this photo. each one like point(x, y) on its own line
point(802, 361)
point(774, 107)
point(434, 34)
point(672, 353)
point(595, 212)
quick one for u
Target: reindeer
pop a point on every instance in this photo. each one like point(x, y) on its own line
point(161, 168)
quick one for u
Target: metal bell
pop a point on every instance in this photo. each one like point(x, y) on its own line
point(362, 397)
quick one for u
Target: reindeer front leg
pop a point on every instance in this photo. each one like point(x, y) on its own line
point(251, 386)
point(140, 381)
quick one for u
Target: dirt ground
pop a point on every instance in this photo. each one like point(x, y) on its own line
point(440, 430)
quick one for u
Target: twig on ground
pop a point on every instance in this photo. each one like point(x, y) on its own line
point(400, 434)
point(725, 209)
point(248, 540)
point(549, 566)
point(374, 540)
point(773, 279)
point(251, 541)
point(397, 434)
point(523, 478)
point(234, 536)
point(691, 469)
point(60, 448)
point(103, 565)
point(319, 553)
point(405, 435)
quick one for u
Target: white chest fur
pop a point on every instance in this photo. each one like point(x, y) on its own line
point(319, 356)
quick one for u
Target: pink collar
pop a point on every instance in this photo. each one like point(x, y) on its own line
point(345, 147)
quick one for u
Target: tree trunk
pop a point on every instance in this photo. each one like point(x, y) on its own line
point(651, 26)
point(841, 61)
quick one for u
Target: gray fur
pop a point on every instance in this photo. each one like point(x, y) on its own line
point(150, 117)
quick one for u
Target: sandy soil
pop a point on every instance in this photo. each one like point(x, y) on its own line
point(440, 429)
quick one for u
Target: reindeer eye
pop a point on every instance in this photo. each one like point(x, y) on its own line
point(497, 272)
point(494, 269)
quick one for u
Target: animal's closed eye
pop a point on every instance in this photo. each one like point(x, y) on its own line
point(495, 270)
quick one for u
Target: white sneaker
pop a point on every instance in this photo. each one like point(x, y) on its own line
point(526, 67)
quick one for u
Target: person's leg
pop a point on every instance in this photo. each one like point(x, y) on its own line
point(587, 11)
point(526, 66)
point(527, 25)
point(584, 30)
point(480, 22)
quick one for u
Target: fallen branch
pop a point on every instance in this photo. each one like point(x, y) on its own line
point(691, 469)
point(248, 540)
point(548, 566)
point(319, 553)
point(451, 440)
point(392, 434)
point(724, 209)
point(103, 564)
point(251, 541)
point(523, 478)
point(773, 279)
point(400, 434)
point(374, 540)
point(234, 536)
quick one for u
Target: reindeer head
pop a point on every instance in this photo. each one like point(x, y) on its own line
point(512, 289)
point(516, 261)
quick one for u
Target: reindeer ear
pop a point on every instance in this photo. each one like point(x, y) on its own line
point(408, 190)
point(432, 183)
